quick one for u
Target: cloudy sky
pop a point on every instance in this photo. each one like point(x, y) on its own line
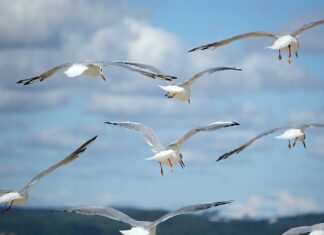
point(42, 123)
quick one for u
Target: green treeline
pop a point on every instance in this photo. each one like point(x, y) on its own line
point(32, 222)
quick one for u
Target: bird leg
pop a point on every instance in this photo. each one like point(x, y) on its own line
point(4, 209)
point(189, 101)
point(289, 144)
point(181, 163)
point(279, 56)
point(171, 166)
point(296, 53)
point(7, 208)
point(168, 95)
point(162, 172)
point(101, 74)
point(304, 143)
point(295, 142)
point(289, 56)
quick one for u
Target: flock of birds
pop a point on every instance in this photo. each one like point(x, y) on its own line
point(168, 155)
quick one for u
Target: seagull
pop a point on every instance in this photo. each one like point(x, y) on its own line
point(139, 227)
point(316, 229)
point(20, 197)
point(296, 133)
point(169, 155)
point(288, 42)
point(92, 69)
point(182, 92)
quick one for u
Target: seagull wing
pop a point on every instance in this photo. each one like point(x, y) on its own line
point(232, 39)
point(110, 213)
point(188, 209)
point(207, 71)
point(45, 75)
point(298, 230)
point(142, 66)
point(211, 127)
point(298, 32)
point(311, 126)
point(65, 161)
point(4, 191)
point(154, 72)
point(151, 138)
point(247, 144)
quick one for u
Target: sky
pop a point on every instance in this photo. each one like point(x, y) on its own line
point(42, 123)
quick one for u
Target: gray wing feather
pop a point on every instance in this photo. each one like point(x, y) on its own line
point(110, 213)
point(207, 71)
point(188, 209)
point(297, 32)
point(298, 230)
point(247, 144)
point(65, 161)
point(151, 138)
point(155, 73)
point(311, 126)
point(45, 75)
point(229, 40)
point(211, 127)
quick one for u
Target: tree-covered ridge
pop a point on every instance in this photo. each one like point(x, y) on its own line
point(34, 221)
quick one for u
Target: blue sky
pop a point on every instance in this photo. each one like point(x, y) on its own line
point(42, 123)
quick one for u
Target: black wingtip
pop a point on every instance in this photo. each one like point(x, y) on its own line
point(111, 123)
point(236, 123)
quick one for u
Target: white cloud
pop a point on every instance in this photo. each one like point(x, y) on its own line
point(127, 104)
point(21, 101)
point(277, 204)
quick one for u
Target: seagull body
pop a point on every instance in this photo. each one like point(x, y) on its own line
point(94, 69)
point(169, 155)
point(182, 91)
point(20, 197)
point(316, 229)
point(296, 133)
point(288, 42)
point(139, 227)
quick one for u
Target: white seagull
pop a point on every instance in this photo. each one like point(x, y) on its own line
point(288, 42)
point(93, 69)
point(20, 197)
point(139, 227)
point(182, 91)
point(296, 133)
point(169, 155)
point(316, 229)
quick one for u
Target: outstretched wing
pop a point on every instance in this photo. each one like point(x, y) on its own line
point(65, 161)
point(311, 126)
point(155, 73)
point(45, 75)
point(247, 144)
point(207, 71)
point(108, 212)
point(188, 209)
point(298, 32)
point(211, 127)
point(298, 230)
point(4, 191)
point(151, 138)
point(232, 39)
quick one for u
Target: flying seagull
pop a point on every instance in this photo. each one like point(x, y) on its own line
point(169, 155)
point(316, 229)
point(20, 197)
point(288, 42)
point(295, 133)
point(139, 227)
point(183, 92)
point(93, 69)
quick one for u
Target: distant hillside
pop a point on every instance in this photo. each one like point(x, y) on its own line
point(33, 221)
